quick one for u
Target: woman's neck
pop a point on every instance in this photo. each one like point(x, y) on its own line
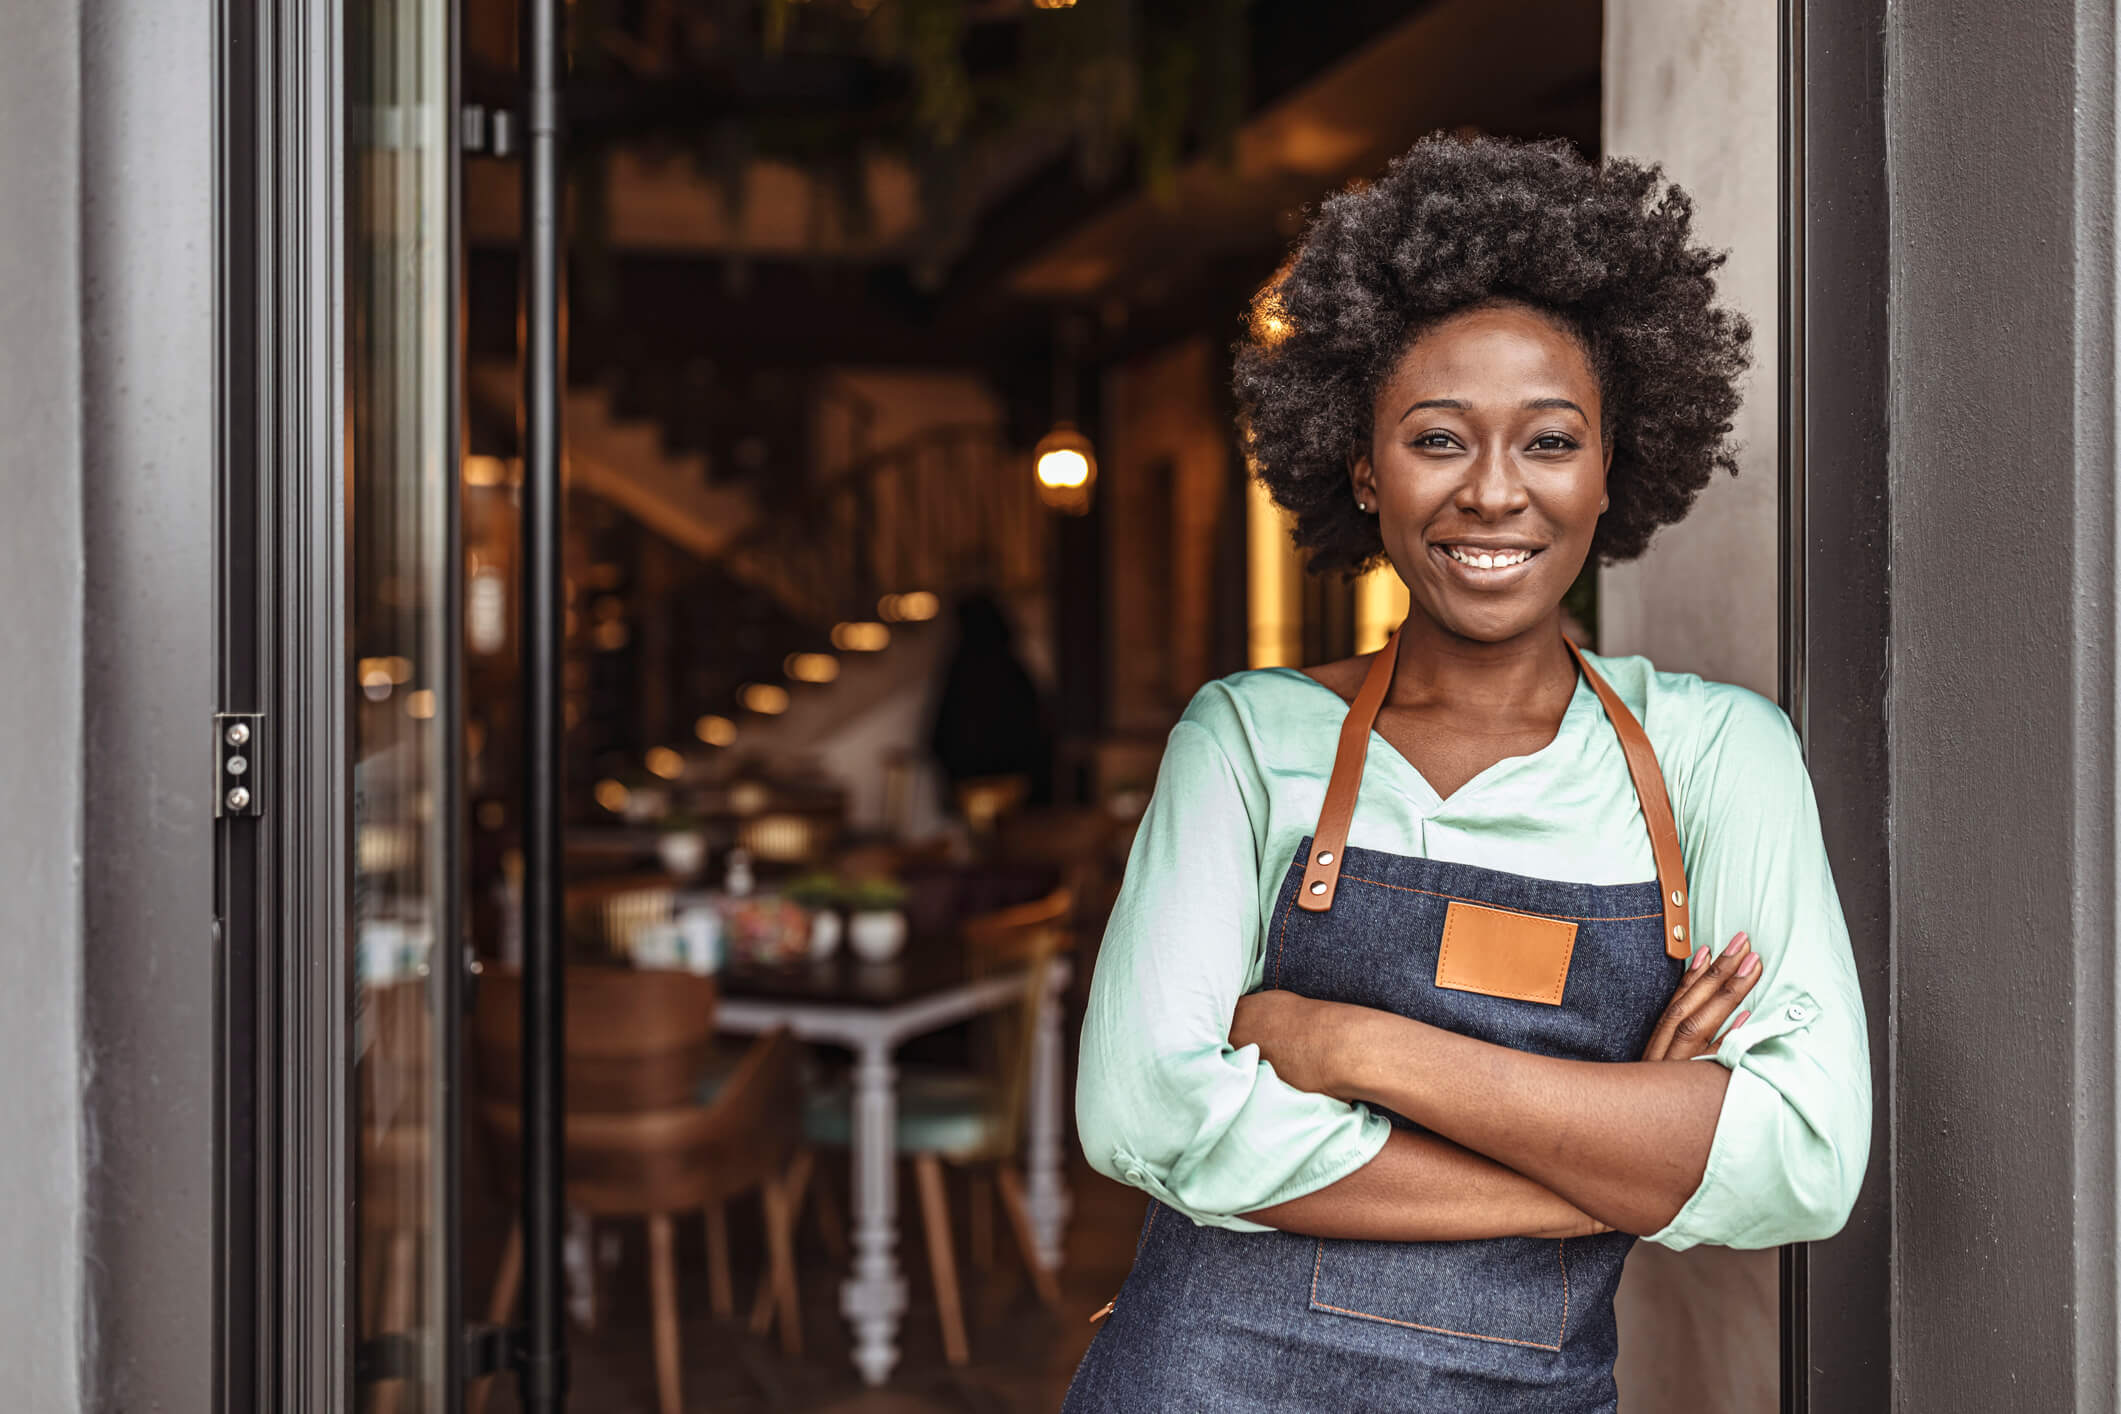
point(1524, 674)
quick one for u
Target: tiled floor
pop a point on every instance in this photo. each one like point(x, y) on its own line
point(1021, 1355)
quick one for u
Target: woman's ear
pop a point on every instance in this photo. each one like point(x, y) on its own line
point(1362, 480)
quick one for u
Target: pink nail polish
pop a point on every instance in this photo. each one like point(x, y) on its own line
point(1749, 966)
point(1739, 1020)
point(1700, 956)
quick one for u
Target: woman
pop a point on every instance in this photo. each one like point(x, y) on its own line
point(1387, 1016)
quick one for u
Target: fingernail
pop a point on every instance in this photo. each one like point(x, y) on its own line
point(1738, 946)
point(1749, 966)
point(1739, 1020)
point(1701, 955)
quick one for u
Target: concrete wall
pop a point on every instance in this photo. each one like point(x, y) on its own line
point(2001, 124)
point(149, 965)
point(40, 707)
point(1692, 84)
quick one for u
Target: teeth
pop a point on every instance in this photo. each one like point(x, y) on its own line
point(1488, 559)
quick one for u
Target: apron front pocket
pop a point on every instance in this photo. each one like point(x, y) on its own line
point(1511, 1290)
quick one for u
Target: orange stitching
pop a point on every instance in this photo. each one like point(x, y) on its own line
point(1562, 1251)
point(1318, 1305)
point(1562, 917)
point(1282, 946)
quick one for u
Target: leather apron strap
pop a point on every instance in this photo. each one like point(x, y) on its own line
point(1329, 841)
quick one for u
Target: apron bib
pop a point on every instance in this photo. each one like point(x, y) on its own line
point(1259, 1323)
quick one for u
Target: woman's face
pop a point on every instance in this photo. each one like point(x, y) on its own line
point(1486, 470)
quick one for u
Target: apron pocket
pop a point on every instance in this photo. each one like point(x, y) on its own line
point(1501, 954)
point(1512, 1290)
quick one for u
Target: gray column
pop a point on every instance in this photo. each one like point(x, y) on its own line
point(2001, 129)
point(148, 396)
point(40, 707)
point(1692, 84)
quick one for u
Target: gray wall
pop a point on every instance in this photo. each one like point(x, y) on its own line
point(1692, 84)
point(2000, 135)
point(40, 708)
point(148, 446)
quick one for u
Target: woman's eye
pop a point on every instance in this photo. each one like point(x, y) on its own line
point(1553, 442)
point(1439, 440)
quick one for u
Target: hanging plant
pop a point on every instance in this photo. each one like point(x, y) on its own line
point(1122, 84)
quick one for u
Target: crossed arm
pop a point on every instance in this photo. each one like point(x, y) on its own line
point(1518, 1144)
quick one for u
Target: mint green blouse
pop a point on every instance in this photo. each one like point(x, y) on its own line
point(1165, 1103)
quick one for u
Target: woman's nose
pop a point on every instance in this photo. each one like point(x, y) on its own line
point(1493, 487)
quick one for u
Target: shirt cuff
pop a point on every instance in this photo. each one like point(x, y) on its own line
point(1745, 1137)
point(1323, 1171)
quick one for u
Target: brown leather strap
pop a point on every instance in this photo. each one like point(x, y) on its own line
point(1322, 869)
point(1656, 807)
point(1329, 841)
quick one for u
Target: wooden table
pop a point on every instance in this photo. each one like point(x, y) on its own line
point(872, 1009)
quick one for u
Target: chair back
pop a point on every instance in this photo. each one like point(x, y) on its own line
point(636, 1039)
point(1024, 940)
point(679, 1157)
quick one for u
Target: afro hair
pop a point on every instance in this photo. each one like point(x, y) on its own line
point(1603, 249)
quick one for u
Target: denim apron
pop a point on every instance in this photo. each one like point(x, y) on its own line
point(1229, 1322)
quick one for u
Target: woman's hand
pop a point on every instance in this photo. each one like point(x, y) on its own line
point(1707, 995)
point(1300, 1037)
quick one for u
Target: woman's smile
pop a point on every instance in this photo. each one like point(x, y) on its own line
point(1485, 565)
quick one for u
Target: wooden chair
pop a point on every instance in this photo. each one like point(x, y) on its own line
point(395, 1078)
point(974, 1120)
point(643, 1141)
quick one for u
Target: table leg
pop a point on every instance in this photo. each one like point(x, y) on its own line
point(1046, 1192)
point(873, 1299)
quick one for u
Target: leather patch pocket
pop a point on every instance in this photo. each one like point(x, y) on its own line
point(1500, 954)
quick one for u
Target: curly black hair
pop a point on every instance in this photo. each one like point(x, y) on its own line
point(1461, 222)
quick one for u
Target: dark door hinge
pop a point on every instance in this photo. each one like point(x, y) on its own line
point(239, 747)
point(486, 132)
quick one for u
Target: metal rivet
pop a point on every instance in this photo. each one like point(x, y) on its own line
point(1679, 931)
point(1319, 887)
point(1678, 899)
point(238, 734)
point(238, 798)
point(237, 765)
point(1325, 856)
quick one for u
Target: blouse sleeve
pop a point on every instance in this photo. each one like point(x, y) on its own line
point(1163, 1101)
point(1794, 1134)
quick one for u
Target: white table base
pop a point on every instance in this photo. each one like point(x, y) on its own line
point(873, 1298)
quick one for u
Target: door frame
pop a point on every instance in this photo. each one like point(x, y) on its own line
point(284, 876)
point(1834, 405)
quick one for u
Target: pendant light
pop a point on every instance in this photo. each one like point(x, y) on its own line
point(1064, 461)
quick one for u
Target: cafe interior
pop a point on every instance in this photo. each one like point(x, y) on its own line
point(904, 514)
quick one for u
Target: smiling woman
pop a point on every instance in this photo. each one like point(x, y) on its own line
point(1397, 1039)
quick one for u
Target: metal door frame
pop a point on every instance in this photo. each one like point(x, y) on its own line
point(285, 1115)
point(1835, 617)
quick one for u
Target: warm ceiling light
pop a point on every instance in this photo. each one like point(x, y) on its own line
point(715, 731)
point(1053, 4)
point(665, 762)
point(1067, 468)
point(812, 667)
point(612, 795)
point(765, 698)
point(860, 637)
point(611, 635)
point(420, 704)
point(485, 471)
point(918, 606)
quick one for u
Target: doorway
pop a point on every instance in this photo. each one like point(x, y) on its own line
point(683, 427)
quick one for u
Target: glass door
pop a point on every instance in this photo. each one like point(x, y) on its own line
point(401, 450)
